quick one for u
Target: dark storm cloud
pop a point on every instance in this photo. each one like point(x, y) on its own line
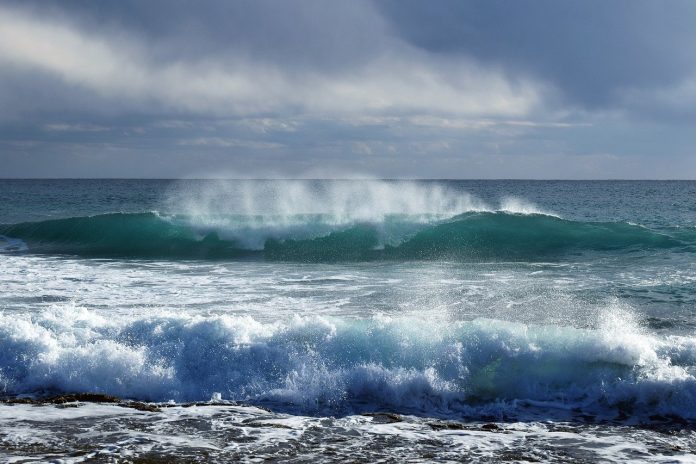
point(238, 58)
point(391, 88)
point(592, 50)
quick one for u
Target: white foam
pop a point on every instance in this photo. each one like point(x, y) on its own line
point(522, 206)
point(234, 433)
point(317, 363)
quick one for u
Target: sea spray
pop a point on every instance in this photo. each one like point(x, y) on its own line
point(344, 202)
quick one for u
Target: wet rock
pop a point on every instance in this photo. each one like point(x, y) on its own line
point(68, 405)
point(19, 401)
point(384, 417)
point(85, 397)
point(441, 425)
point(517, 457)
point(67, 398)
point(557, 428)
point(72, 400)
point(141, 406)
point(266, 424)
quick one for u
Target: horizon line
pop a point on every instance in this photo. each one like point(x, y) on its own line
point(424, 179)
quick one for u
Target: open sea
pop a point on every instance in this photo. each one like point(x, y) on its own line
point(347, 321)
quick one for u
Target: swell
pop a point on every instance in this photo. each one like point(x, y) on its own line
point(138, 235)
point(481, 235)
point(476, 235)
point(333, 366)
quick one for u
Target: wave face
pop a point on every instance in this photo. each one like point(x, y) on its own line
point(320, 237)
point(320, 365)
point(138, 235)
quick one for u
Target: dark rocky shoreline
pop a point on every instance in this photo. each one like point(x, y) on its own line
point(246, 433)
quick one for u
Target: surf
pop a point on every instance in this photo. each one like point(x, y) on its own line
point(332, 365)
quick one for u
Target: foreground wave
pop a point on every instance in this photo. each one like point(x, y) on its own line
point(473, 235)
point(330, 365)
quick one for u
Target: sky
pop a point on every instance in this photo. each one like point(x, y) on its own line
point(543, 89)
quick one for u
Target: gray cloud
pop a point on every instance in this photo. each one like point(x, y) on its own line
point(112, 67)
point(328, 35)
point(592, 50)
point(392, 88)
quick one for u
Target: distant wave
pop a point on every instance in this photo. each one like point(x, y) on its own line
point(467, 236)
point(320, 365)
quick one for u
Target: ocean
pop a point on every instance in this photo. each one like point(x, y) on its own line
point(347, 320)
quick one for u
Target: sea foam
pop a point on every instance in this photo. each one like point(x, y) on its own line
point(317, 365)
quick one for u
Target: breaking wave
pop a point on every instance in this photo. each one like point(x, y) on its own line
point(322, 237)
point(318, 365)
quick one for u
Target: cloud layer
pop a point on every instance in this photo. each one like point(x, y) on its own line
point(388, 88)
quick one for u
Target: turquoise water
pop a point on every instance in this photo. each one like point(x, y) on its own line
point(512, 301)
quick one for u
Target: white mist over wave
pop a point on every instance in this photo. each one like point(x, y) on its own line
point(342, 201)
point(252, 211)
point(317, 364)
